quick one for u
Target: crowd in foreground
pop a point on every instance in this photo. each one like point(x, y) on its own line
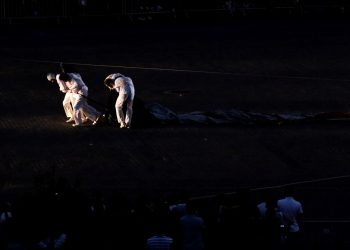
point(59, 216)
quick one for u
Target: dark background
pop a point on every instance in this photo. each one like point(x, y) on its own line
point(260, 64)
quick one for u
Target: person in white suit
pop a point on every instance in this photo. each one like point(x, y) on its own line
point(68, 97)
point(79, 92)
point(125, 87)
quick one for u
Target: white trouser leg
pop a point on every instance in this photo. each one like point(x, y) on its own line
point(119, 108)
point(128, 115)
point(90, 112)
point(67, 105)
point(129, 105)
point(78, 108)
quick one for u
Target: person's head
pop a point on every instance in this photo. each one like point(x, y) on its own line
point(51, 77)
point(64, 77)
point(109, 83)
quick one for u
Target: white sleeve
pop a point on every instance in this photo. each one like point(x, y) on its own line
point(63, 87)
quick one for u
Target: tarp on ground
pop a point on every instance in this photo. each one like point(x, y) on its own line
point(236, 116)
point(149, 114)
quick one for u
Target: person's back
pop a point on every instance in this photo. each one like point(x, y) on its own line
point(130, 86)
point(292, 211)
point(192, 227)
point(271, 224)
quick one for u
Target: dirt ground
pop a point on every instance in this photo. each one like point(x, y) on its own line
point(266, 66)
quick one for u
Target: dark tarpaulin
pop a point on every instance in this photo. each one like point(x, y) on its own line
point(236, 116)
point(154, 114)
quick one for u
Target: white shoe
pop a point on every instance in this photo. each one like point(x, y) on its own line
point(71, 119)
point(77, 125)
point(122, 125)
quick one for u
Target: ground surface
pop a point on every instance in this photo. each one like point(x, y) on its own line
point(263, 66)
